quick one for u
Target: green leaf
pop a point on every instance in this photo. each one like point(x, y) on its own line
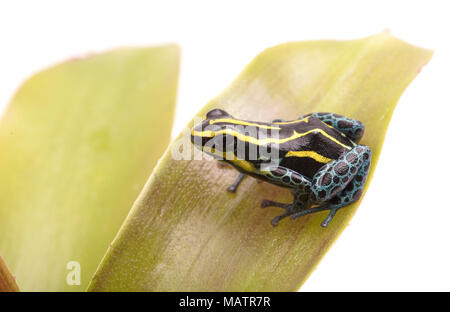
point(78, 141)
point(186, 233)
point(7, 280)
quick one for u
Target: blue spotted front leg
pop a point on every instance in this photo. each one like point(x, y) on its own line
point(339, 183)
point(300, 190)
point(352, 128)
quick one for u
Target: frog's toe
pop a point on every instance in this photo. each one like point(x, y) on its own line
point(232, 189)
point(309, 211)
point(277, 219)
point(328, 219)
point(268, 203)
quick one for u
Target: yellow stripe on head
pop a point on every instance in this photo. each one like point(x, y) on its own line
point(231, 157)
point(240, 122)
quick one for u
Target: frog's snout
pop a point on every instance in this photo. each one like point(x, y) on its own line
point(197, 132)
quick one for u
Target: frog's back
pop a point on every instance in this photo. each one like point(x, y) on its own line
point(308, 144)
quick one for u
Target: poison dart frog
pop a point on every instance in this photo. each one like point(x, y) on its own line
point(317, 156)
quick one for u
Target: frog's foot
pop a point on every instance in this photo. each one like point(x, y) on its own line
point(269, 203)
point(290, 209)
point(233, 187)
point(317, 209)
point(301, 201)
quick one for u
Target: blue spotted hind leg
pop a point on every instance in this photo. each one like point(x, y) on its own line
point(339, 183)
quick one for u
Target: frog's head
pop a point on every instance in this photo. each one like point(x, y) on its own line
point(234, 140)
point(210, 135)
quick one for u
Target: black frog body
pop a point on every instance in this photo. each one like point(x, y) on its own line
point(316, 156)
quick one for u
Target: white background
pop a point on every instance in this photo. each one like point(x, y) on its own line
point(399, 239)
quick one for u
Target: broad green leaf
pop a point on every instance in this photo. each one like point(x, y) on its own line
point(78, 141)
point(7, 280)
point(186, 233)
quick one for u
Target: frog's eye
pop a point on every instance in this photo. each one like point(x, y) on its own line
point(216, 113)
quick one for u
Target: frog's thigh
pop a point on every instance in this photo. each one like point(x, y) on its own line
point(351, 193)
point(301, 196)
point(352, 128)
point(332, 178)
point(287, 177)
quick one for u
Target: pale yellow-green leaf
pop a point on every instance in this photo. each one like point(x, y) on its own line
point(186, 233)
point(78, 141)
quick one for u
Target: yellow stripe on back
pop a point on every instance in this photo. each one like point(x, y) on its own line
point(249, 139)
point(311, 154)
point(240, 122)
point(291, 122)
